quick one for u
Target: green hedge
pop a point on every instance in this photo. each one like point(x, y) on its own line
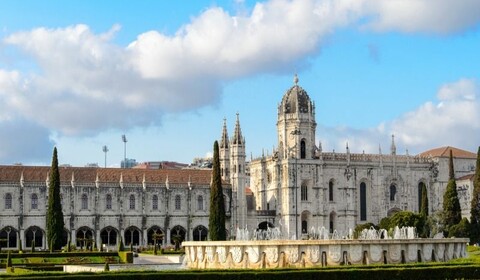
point(58, 254)
point(390, 273)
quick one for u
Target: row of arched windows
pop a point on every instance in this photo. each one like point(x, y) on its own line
point(132, 201)
point(9, 202)
point(108, 202)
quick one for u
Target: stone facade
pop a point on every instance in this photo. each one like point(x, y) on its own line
point(301, 186)
point(102, 204)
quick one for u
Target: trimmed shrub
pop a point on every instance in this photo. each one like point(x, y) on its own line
point(120, 245)
point(126, 257)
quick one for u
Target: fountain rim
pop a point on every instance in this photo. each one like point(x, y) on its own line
point(324, 242)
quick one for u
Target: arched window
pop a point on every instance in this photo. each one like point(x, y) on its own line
point(303, 149)
point(200, 203)
point(225, 203)
point(393, 192)
point(330, 190)
point(108, 202)
point(132, 202)
point(178, 202)
point(34, 201)
point(8, 201)
point(304, 192)
point(363, 201)
point(331, 226)
point(84, 201)
point(155, 202)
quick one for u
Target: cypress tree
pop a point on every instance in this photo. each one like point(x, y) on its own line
point(216, 222)
point(55, 223)
point(451, 204)
point(424, 206)
point(475, 206)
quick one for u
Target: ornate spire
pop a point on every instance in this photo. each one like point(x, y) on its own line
point(295, 79)
point(393, 148)
point(237, 135)
point(224, 140)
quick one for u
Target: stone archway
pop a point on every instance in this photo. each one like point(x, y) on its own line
point(85, 237)
point(200, 233)
point(132, 236)
point(109, 235)
point(265, 225)
point(160, 235)
point(8, 237)
point(177, 233)
point(34, 235)
point(305, 217)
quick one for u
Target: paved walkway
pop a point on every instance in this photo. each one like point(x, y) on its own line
point(159, 259)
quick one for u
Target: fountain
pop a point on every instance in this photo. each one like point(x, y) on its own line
point(270, 249)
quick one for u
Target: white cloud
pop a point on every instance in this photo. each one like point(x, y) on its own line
point(451, 120)
point(426, 16)
point(83, 83)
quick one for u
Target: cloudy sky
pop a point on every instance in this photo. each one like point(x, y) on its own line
point(79, 74)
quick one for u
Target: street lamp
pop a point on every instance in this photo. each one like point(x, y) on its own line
point(124, 139)
point(105, 150)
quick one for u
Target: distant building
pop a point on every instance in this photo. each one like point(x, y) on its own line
point(206, 162)
point(160, 165)
point(130, 163)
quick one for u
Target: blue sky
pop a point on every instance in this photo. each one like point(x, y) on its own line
point(79, 74)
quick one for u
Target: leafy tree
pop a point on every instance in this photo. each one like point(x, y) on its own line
point(451, 204)
point(407, 219)
point(216, 222)
point(55, 223)
point(384, 223)
point(475, 206)
point(461, 229)
point(424, 205)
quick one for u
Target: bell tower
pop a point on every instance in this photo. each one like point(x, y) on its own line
point(296, 124)
point(238, 177)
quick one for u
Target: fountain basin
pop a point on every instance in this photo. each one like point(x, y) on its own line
point(310, 253)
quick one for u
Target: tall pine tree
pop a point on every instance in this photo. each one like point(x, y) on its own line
point(54, 215)
point(475, 206)
point(451, 205)
point(216, 222)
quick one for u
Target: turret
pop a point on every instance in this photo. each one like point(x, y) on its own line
point(224, 153)
point(237, 176)
point(296, 124)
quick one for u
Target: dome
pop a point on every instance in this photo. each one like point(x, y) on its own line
point(295, 100)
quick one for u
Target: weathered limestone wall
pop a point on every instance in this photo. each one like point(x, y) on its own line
point(309, 253)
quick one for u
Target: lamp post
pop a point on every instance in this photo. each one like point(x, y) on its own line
point(105, 150)
point(124, 139)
